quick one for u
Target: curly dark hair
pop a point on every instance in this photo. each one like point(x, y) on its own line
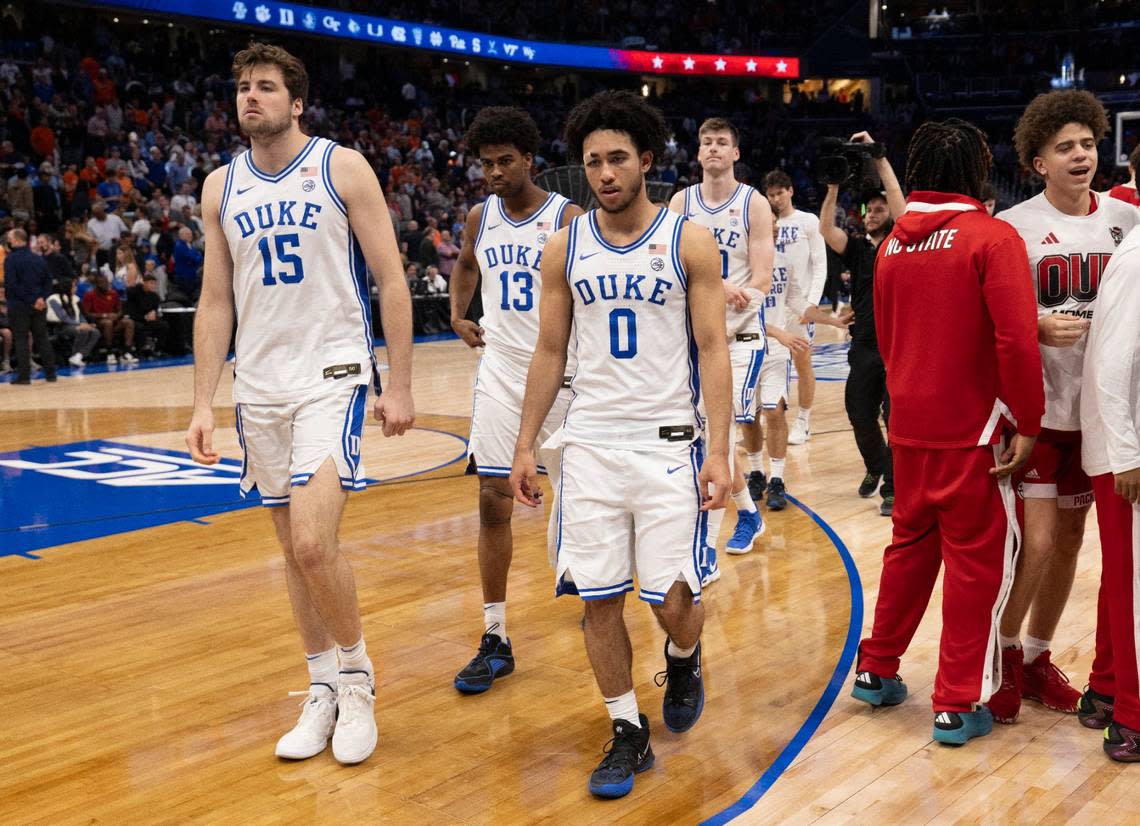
point(1134, 160)
point(1048, 113)
point(503, 126)
point(620, 111)
point(777, 179)
point(266, 54)
point(949, 156)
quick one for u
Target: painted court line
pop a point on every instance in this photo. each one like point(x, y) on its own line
point(830, 693)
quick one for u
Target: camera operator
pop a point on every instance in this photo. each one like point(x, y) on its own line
point(866, 393)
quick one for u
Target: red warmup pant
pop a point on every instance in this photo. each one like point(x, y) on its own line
point(1119, 526)
point(948, 508)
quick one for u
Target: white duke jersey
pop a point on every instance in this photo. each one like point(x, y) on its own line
point(729, 225)
point(637, 361)
point(510, 256)
point(1067, 256)
point(776, 302)
point(304, 318)
point(806, 253)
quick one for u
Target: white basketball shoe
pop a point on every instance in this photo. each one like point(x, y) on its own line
point(315, 726)
point(800, 432)
point(355, 736)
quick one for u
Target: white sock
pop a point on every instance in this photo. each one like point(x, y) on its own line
point(624, 708)
point(805, 416)
point(354, 658)
point(1009, 642)
point(680, 653)
point(743, 501)
point(1034, 648)
point(777, 468)
point(323, 668)
point(495, 614)
point(756, 462)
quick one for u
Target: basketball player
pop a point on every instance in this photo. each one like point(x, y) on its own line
point(807, 262)
point(291, 226)
point(1127, 191)
point(1110, 424)
point(642, 289)
point(741, 223)
point(954, 314)
point(1070, 233)
point(504, 243)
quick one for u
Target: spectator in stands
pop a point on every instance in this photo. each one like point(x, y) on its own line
point(81, 242)
point(111, 192)
point(46, 200)
point(436, 283)
point(187, 265)
point(126, 267)
point(142, 308)
point(5, 335)
point(104, 308)
point(64, 313)
point(185, 197)
point(107, 228)
point(61, 268)
point(448, 253)
point(27, 285)
point(21, 199)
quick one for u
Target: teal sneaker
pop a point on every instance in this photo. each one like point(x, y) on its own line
point(878, 691)
point(956, 727)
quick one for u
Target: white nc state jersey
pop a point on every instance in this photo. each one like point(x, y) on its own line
point(729, 225)
point(510, 254)
point(304, 320)
point(637, 362)
point(1067, 256)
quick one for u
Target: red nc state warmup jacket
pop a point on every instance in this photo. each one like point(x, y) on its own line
point(957, 326)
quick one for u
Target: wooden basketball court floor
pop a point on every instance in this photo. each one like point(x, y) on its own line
point(146, 673)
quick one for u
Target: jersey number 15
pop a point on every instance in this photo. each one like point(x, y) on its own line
point(282, 244)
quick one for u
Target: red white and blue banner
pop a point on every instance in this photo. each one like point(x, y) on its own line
point(459, 43)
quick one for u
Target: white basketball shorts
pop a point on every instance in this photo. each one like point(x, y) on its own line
point(496, 414)
point(746, 358)
point(629, 513)
point(285, 444)
point(775, 381)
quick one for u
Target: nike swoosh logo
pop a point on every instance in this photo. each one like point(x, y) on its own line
point(673, 470)
point(247, 189)
point(584, 257)
point(494, 227)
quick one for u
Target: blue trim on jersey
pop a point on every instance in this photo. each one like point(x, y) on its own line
point(558, 215)
point(482, 222)
point(226, 192)
point(675, 253)
point(694, 371)
point(326, 176)
point(687, 196)
point(529, 218)
point(714, 210)
point(606, 590)
point(561, 500)
point(596, 230)
point(571, 248)
point(747, 203)
point(358, 271)
point(755, 362)
point(701, 526)
point(265, 176)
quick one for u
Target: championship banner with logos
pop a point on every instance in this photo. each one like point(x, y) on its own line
point(460, 43)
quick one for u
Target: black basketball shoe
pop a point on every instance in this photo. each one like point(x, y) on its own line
point(626, 755)
point(494, 660)
point(684, 690)
point(757, 484)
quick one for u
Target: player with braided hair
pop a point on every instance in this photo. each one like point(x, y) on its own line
point(953, 314)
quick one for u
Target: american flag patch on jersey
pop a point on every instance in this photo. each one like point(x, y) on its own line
point(545, 226)
point(733, 211)
point(658, 249)
point(308, 171)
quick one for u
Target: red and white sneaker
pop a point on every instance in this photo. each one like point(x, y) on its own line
point(1047, 684)
point(1005, 703)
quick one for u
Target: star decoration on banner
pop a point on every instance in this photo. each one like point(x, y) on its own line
point(720, 64)
point(781, 66)
point(750, 65)
point(689, 64)
point(658, 62)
